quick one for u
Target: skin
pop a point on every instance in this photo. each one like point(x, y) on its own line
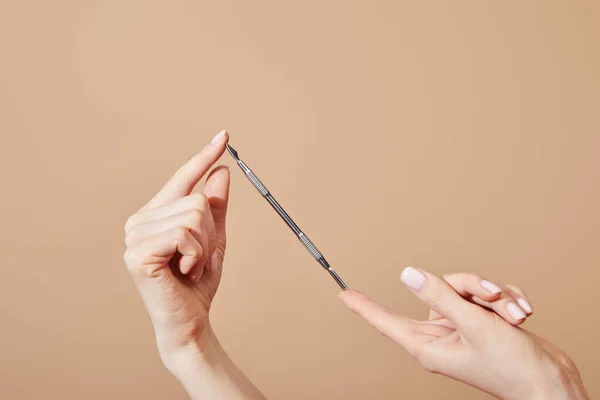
point(471, 337)
point(175, 249)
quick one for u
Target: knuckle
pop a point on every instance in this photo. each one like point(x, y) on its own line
point(179, 233)
point(451, 279)
point(131, 237)
point(128, 240)
point(475, 278)
point(448, 277)
point(199, 200)
point(195, 217)
point(195, 253)
point(130, 257)
point(433, 296)
point(499, 306)
point(516, 289)
point(130, 222)
point(138, 261)
point(467, 278)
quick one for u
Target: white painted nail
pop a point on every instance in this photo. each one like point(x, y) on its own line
point(413, 278)
point(525, 306)
point(490, 287)
point(515, 311)
point(218, 137)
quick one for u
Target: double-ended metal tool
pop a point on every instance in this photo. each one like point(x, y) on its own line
point(312, 249)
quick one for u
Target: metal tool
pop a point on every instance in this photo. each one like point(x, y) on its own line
point(312, 249)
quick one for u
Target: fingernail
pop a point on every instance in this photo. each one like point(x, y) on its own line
point(490, 287)
point(525, 305)
point(515, 311)
point(212, 263)
point(413, 278)
point(218, 137)
point(195, 274)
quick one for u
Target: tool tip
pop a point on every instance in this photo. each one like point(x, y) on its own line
point(232, 151)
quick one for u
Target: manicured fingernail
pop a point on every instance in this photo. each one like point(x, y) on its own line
point(413, 278)
point(195, 274)
point(218, 137)
point(525, 306)
point(515, 311)
point(212, 263)
point(490, 287)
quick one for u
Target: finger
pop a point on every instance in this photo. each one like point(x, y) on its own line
point(196, 216)
point(150, 258)
point(209, 225)
point(216, 189)
point(194, 201)
point(522, 299)
point(489, 295)
point(208, 244)
point(468, 285)
point(507, 306)
point(184, 180)
point(441, 297)
point(397, 328)
point(193, 220)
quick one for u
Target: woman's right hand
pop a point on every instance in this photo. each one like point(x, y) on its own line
point(472, 336)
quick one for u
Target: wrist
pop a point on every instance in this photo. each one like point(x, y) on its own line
point(183, 358)
point(206, 371)
point(560, 383)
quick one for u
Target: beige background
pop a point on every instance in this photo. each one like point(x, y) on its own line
point(452, 136)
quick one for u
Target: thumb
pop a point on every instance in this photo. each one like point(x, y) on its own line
point(216, 190)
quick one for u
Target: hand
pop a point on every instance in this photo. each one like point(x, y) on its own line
point(471, 336)
point(175, 249)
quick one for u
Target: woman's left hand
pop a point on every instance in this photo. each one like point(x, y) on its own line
point(472, 336)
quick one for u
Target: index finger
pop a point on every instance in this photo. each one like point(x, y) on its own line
point(395, 327)
point(183, 181)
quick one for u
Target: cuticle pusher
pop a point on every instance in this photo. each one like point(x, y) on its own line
point(312, 249)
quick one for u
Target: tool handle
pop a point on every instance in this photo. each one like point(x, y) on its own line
point(312, 249)
point(262, 189)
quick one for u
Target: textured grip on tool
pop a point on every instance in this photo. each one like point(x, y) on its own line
point(257, 184)
point(310, 246)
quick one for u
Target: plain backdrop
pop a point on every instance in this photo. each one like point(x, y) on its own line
point(451, 136)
